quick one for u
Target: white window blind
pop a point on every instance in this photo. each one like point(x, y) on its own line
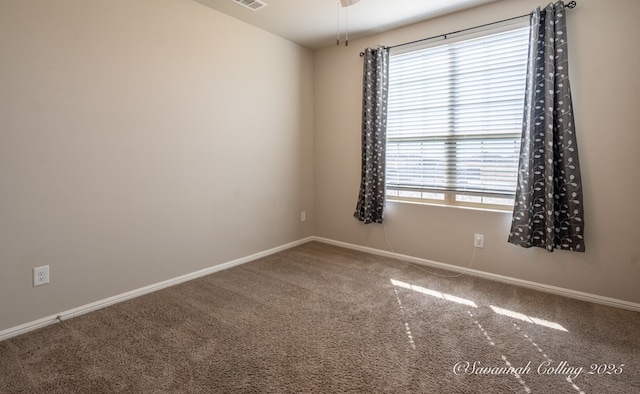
point(455, 117)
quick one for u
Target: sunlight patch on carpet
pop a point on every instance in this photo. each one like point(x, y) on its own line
point(486, 334)
point(434, 293)
point(574, 386)
point(528, 319)
point(517, 327)
point(510, 366)
point(406, 324)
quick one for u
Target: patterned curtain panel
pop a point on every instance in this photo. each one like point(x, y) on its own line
point(548, 210)
point(374, 128)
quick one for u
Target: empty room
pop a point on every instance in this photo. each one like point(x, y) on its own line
point(319, 196)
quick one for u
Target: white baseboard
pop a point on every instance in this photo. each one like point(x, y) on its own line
point(495, 277)
point(45, 321)
point(24, 328)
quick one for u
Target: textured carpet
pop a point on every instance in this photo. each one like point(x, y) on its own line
point(322, 319)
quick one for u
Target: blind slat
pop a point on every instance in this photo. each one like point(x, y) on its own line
point(455, 116)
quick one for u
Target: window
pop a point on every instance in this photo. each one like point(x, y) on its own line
point(454, 121)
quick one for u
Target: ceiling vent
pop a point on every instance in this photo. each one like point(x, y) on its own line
point(253, 5)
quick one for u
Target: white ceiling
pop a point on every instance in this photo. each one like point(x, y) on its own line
point(313, 23)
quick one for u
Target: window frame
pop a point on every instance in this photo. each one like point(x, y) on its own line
point(452, 197)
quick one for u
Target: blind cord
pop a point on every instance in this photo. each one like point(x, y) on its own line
point(338, 24)
point(386, 236)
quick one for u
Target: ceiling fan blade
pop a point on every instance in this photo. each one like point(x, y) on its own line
point(347, 3)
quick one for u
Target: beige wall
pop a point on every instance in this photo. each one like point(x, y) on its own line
point(604, 64)
point(142, 140)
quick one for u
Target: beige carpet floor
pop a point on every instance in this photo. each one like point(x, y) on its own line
point(322, 319)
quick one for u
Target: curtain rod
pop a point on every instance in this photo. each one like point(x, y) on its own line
point(571, 4)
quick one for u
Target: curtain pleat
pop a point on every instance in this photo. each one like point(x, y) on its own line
point(371, 198)
point(548, 210)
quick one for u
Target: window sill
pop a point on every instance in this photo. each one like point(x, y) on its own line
point(506, 209)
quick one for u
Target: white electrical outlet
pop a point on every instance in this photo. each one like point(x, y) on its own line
point(478, 241)
point(41, 275)
point(303, 216)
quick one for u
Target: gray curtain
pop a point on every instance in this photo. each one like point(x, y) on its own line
point(375, 83)
point(548, 209)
